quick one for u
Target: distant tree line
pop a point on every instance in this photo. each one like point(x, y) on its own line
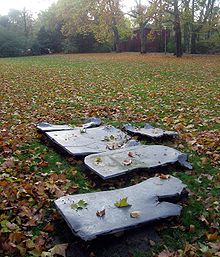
point(73, 26)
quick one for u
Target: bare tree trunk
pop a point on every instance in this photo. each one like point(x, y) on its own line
point(143, 39)
point(186, 38)
point(193, 36)
point(193, 41)
point(116, 37)
point(177, 29)
point(186, 28)
point(160, 18)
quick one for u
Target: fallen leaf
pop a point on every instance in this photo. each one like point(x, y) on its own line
point(131, 154)
point(163, 176)
point(100, 213)
point(203, 219)
point(135, 214)
point(127, 162)
point(49, 227)
point(166, 253)
point(215, 246)
point(98, 160)
point(83, 130)
point(80, 205)
point(122, 203)
point(59, 249)
point(192, 228)
point(212, 237)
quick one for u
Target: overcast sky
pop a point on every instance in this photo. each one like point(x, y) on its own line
point(36, 5)
point(33, 5)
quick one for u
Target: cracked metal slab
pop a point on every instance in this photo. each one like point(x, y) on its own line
point(92, 122)
point(45, 127)
point(151, 200)
point(112, 164)
point(82, 142)
point(89, 123)
point(149, 131)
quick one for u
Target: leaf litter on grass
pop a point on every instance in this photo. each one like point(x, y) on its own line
point(177, 94)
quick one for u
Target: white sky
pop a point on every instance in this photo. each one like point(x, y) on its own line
point(37, 5)
point(32, 5)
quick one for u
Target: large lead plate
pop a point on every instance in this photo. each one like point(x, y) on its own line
point(81, 141)
point(149, 199)
point(111, 164)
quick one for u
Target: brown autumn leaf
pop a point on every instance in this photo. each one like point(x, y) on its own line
point(212, 236)
point(127, 162)
point(72, 189)
point(215, 245)
point(135, 214)
point(167, 253)
point(131, 154)
point(203, 219)
point(164, 176)
point(59, 249)
point(54, 189)
point(100, 213)
point(16, 237)
point(192, 228)
point(43, 164)
point(49, 227)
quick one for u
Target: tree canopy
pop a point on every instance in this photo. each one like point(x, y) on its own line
point(101, 25)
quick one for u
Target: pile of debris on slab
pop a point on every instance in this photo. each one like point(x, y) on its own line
point(111, 152)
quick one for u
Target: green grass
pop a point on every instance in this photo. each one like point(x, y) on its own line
point(180, 94)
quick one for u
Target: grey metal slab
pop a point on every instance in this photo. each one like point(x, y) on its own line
point(81, 141)
point(45, 126)
point(89, 123)
point(112, 164)
point(149, 131)
point(92, 122)
point(147, 198)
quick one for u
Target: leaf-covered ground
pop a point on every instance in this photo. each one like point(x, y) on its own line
point(180, 94)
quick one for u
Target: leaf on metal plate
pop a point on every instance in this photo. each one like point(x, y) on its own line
point(123, 202)
point(80, 205)
point(135, 214)
point(163, 176)
point(98, 160)
point(100, 213)
point(127, 162)
point(131, 154)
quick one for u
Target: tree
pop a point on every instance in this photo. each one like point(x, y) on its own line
point(48, 32)
point(10, 44)
point(142, 15)
point(21, 22)
point(205, 11)
point(172, 7)
point(16, 33)
point(103, 18)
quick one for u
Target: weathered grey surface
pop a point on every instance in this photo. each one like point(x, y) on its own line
point(112, 164)
point(81, 141)
point(92, 122)
point(131, 143)
point(45, 126)
point(146, 197)
point(149, 131)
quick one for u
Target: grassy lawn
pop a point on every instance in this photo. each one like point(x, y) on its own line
point(180, 94)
